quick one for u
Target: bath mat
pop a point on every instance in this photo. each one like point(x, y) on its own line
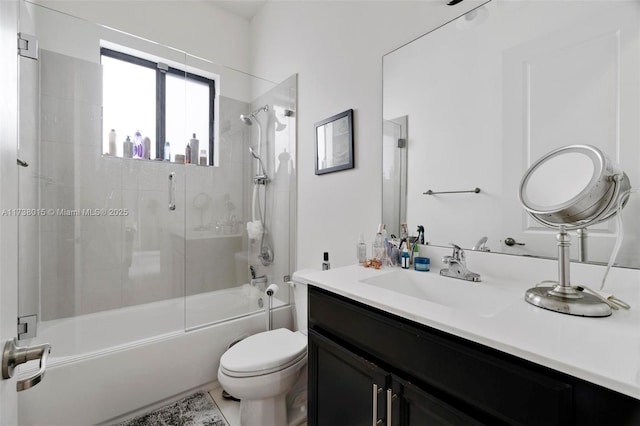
point(195, 410)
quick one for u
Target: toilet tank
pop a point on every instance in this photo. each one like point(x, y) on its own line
point(300, 306)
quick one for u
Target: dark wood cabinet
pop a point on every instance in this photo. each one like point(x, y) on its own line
point(351, 390)
point(342, 376)
point(363, 359)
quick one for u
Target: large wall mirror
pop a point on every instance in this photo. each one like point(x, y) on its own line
point(484, 96)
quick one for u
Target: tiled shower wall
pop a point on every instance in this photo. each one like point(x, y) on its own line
point(94, 263)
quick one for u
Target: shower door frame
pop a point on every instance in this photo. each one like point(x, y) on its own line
point(8, 197)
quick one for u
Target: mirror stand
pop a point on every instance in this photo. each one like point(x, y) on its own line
point(564, 297)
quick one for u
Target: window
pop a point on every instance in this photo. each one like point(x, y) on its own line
point(162, 103)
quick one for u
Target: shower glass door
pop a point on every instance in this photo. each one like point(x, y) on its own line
point(219, 253)
point(101, 252)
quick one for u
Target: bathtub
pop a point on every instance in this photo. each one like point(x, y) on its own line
point(107, 364)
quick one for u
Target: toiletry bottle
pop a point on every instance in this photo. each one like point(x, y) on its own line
point(187, 154)
point(362, 250)
point(203, 157)
point(112, 143)
point(325, 264)
point(127, 148)
point(404, 258)
point(147, 148)
point(138, 145)
point(378, 246)
point(167, 151)
point(195, 149)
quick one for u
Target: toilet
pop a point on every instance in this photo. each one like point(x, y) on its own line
point(261, 369)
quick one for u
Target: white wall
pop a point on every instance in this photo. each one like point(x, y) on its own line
point(336, 48)
point(197, 27)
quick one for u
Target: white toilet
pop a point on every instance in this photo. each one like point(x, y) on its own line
point(262, 368)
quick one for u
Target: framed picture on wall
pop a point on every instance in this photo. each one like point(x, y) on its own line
point(334, 143)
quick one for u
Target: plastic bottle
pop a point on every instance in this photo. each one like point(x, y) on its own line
point(147, 148)
point(195, 149)
point(404, 258)
point(378, 246)
point(112, 143)
point(127, 148)
point(203, 157)
point(325, 264)
point(362, 250)
point(167, 151)
point(138, 145)
point(187, 154)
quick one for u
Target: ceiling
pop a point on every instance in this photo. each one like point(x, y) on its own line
point(246, 9)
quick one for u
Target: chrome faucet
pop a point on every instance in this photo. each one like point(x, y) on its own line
point(481, 245)
point(458, 266)
point(255, 280)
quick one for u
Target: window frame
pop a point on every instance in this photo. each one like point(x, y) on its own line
point(161, 93)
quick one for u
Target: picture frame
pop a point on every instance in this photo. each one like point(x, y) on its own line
point(334, 143)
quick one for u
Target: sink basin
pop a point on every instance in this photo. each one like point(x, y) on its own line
point(481, 298)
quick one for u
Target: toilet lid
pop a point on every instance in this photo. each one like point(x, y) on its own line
point(264, 353)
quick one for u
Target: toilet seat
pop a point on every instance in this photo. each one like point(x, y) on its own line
point(264, 353)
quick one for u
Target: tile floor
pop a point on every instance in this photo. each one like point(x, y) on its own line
point(230, 409)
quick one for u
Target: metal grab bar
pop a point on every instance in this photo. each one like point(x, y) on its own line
point(430, 192)
point(14, 355)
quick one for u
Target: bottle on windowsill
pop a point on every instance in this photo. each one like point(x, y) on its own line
point(187, 154)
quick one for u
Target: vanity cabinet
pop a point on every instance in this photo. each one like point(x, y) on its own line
point(367, 366)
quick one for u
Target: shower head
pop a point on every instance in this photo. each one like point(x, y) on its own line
point(247, 119)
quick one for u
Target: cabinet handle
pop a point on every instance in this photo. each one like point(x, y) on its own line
point(390, 397)
point(376, 391)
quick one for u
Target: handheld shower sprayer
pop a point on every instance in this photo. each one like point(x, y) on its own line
point(260, 178)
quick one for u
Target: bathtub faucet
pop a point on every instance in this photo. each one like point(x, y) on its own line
point(255, 280)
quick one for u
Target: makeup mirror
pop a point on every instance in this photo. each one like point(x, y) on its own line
point(572, 187)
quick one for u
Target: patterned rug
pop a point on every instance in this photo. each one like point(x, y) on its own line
point(195, 410)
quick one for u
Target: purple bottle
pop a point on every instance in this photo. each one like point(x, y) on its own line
point(138, 145)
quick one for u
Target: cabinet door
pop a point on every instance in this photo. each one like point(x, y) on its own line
point(418, 408)
point(342, 386)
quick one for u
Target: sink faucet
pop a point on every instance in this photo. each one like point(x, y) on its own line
point(458, 266)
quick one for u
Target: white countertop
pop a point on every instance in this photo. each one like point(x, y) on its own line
point(605, 351)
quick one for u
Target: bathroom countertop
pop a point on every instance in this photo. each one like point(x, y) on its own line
point(605, 351)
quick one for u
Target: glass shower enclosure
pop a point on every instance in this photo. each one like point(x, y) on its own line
point(136, 185)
